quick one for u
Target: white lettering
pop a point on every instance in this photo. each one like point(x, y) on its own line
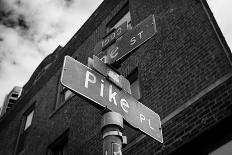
point(112, 36)
point(133, 40)
point(119, 31)
point(114, 52)
point(102, 43)
point(142, 117)
point(106, 41)
point(140, 34)
point(112, 95)
point(118, 153)
point(102, 88)
point(88, 79)
point(150, 124)
point(103, 59)
point(124, 105)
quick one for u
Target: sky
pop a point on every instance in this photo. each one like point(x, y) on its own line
point(32, 29)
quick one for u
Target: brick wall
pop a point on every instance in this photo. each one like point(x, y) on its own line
point(180, 62)
point(193, 121)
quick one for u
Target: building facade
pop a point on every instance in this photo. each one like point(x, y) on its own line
point(11, 99)
point(183, 73)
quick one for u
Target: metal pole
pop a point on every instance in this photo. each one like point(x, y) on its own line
point(112, 127)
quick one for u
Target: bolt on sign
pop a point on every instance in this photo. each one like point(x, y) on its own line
point(114, 77)
point(95, 87)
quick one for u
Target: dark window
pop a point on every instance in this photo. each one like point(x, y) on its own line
point(24, 130)
point(135, 84)
point(12, 101)
point(15, 95)
point(28, 120)
point(59, 146)
point(63, 95)
point(130, 132)
point(122, 16)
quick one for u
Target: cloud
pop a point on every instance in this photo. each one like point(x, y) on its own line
point(223, 14)
point(32, 29)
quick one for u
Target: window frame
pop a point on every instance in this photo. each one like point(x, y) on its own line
point(20, 145)
point(134, 77)
point(60, 99)
point(61, 140)
point(121, 13)
point(26, 119)
point(63, 97)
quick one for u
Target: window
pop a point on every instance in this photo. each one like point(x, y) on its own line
point(126, 17)
point(135, 84)
point(131, 133)
point(59, 146)
point(28, 120)
point(24, 130)
point(15, 95)
point(63, 95)
point(123, 16)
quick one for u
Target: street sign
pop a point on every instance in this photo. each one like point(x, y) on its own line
point(131, 40)
point(110, 38)
point(94, 86)
point(102, 56)
point(108, 72)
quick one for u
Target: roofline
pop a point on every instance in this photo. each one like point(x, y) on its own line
point(29, 90)
point(217, 30)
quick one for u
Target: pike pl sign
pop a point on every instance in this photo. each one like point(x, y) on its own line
point(95, 87)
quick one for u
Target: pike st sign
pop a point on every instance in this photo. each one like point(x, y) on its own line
point(129, 41)
point(104, 43)
point(95, 87)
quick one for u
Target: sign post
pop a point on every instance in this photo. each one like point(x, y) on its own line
point(105, 95)
point(108, 90)
point(112, 128)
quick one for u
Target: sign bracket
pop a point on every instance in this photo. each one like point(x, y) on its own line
point(107, 89)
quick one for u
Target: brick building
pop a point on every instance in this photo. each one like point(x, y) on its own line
point(183, 73)
point(10, 99)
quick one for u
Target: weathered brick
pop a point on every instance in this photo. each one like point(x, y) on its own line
point(179, 69)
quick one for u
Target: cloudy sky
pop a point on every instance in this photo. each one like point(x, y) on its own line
point(31, 29)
